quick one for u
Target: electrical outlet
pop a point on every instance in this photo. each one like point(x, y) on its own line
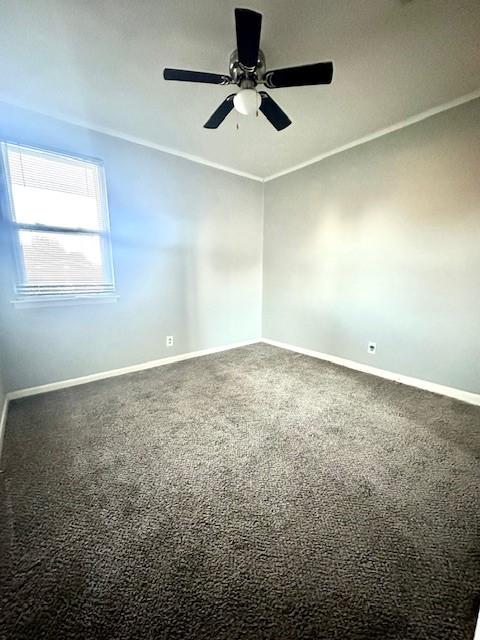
point(372, 347)
point(169, 341)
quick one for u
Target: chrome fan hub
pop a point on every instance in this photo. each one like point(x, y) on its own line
point(244, 77)
point(247, 70)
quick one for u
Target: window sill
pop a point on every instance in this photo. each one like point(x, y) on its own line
point(63, 301)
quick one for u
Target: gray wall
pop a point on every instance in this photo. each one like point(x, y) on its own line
point(377, 243)
point(187, 255)
point(382, 243)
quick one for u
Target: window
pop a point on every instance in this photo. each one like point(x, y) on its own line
point(60, 222)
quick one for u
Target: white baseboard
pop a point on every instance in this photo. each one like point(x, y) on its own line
point(73, 382)
point(459, 394)
point(3, 421)
point(466, 396)
point(451, 392)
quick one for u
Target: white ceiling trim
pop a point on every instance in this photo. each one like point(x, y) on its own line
point(381, 132)
point(172, 152)
point(187, 156)
point(144, 143)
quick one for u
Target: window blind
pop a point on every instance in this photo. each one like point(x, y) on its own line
point(60, 213)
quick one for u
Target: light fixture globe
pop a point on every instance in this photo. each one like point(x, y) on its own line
point(247, 101)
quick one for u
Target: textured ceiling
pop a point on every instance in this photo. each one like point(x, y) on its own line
point(100, 62)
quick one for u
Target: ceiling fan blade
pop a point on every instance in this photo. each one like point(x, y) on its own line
point(220, 114)
point(308, 74)
point(274, 114)
point(248, 25)
point(195, 76)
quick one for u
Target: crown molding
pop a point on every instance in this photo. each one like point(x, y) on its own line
point(380, 133)
point(114, 133)
point(220, 167)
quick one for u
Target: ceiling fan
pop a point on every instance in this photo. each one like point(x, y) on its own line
point(248, 70)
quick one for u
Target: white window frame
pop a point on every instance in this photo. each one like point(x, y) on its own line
point(62, 297)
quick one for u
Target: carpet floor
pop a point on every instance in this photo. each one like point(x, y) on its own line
point(251, 494)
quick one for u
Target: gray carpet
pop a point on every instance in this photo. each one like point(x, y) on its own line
point(252, 494)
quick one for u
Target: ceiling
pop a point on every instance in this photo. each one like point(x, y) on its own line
point(100, 62)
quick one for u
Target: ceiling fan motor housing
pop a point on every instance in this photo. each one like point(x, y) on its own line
point(244, 77)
